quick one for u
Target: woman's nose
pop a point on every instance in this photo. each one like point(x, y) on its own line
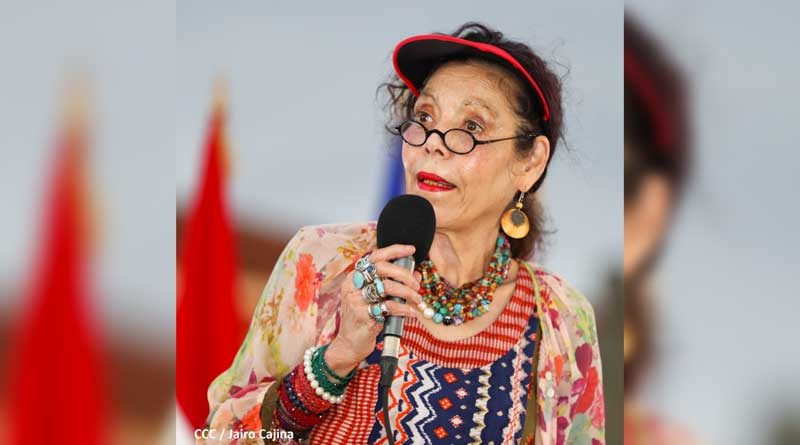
point(435, 145)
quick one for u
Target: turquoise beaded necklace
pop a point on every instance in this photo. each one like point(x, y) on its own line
point(448, 305)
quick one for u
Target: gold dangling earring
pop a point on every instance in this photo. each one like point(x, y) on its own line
point(515, 222)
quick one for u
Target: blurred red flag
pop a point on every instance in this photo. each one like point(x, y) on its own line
point(208, 330)
point(57, 386)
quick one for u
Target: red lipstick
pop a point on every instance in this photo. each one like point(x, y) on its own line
point(433, 183)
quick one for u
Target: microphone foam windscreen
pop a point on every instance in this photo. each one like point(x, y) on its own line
point(408, 219)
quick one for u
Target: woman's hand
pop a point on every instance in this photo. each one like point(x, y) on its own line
point(357, 329)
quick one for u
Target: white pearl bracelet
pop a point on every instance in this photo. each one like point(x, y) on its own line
point(313, 379)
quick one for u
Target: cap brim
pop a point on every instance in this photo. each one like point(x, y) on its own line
point(415, 56)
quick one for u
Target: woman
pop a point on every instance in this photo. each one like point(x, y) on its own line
point(657, 161)
point(480, 116)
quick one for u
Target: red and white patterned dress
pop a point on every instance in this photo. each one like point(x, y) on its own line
point(446, 392)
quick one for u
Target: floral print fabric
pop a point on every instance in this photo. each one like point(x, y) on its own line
point(298, 309)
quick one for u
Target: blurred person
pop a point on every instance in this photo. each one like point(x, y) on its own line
point(480, 117)
point(657, 149)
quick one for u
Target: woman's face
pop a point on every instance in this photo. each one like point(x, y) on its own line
point(647, 214)
point(472, 96)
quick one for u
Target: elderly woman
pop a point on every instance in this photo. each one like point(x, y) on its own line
point(657, 168)
point(496, 349)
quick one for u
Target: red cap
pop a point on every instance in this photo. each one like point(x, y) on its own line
point(414, 56)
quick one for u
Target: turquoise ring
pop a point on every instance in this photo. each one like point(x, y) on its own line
point(365, 272)
point(378, 312)
point(378, 283)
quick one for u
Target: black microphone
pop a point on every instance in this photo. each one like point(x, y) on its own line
point(406, 219)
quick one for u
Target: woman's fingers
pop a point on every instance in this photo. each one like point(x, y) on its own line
point(396, 289)
point(397, 273)
point(397, 282)
point(363, 309)
point(400, 309)
point(390, 253)
point(358, 308)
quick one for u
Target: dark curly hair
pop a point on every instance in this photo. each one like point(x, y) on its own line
point(658, 133)
point(526, 104)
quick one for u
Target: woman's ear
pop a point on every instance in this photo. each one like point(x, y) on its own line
point(531, 167)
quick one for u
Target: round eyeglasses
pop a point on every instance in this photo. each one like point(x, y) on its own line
point(455, 139)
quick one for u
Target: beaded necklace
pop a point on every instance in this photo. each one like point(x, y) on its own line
point(448, 305)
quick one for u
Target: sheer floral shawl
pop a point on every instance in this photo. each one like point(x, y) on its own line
point(298, 308)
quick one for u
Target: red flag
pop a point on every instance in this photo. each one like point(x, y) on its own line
point(57, 385)
point(208, 330)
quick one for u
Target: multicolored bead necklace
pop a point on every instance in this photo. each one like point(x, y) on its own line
point(454, 306)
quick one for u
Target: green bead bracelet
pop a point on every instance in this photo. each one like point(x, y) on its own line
point(346, 379)
point(318, 368)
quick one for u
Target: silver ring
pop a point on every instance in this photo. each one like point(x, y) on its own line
point(377, 317)
point(365, 267)
point(370, 293)
point(384, 309)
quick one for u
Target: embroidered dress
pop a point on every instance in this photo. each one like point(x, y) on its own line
point(469, 391)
